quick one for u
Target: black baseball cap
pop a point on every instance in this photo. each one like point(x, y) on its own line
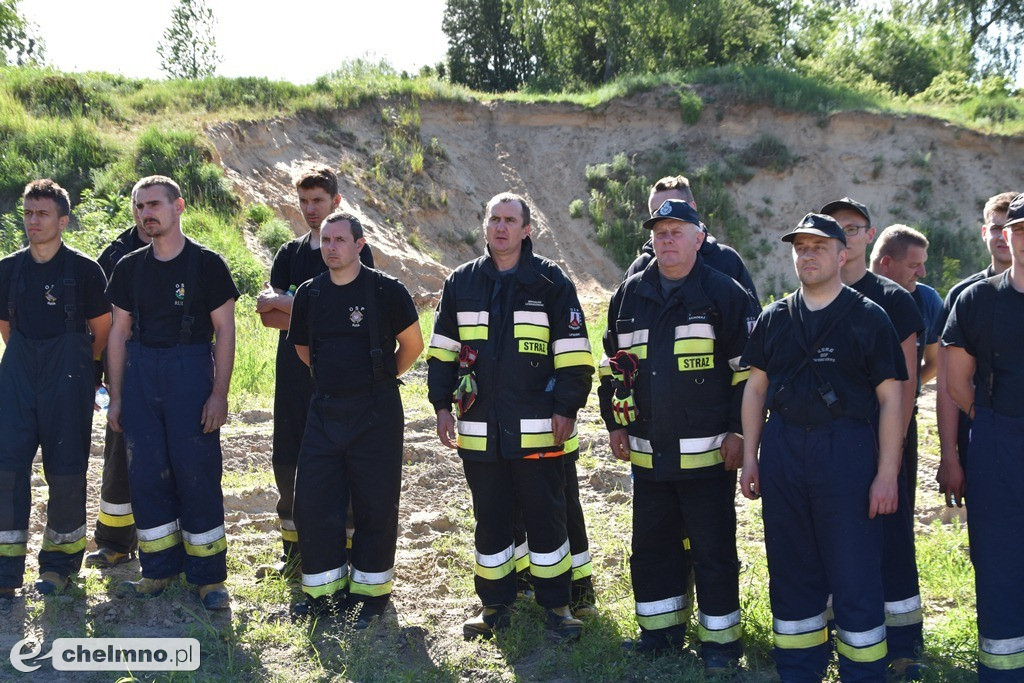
point(817, 224)
point(1015, 213)
point(674, 209)
point(846, 203)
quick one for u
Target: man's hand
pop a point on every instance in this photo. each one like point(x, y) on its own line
point(446, 428)
point(732, 451)
point(561, 428)
point(215, 413)
point(882, 497)
point(619, 441)
point(114, 414)
point(265, 299)
point(952, 481)
point(750, 479)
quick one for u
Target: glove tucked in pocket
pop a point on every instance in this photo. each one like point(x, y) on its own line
point(624, 366)
point(466, 390)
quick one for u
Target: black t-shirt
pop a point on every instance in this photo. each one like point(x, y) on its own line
point(39, 297)
point(859, 353)
point(895, 301)
point(987, 321)
point(342, 342)
point(124, 244)
point(164, 291)
point(958, 289)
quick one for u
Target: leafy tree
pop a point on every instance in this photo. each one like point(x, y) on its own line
point(484, 52)
point(189, 49)
point(19, 43)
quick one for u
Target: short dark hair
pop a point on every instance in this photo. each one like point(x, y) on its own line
point(674, 182)
point(338, 216)
point(172, 188)
point(318, 175)
point(503, 197)
point(1000, 203)
point(44, 188)
point(894, 242)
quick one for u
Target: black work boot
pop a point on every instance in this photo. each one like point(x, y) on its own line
point(583, 598)
point(324, 607)
point(492, 618)
point(561, 625)
point(657, 641)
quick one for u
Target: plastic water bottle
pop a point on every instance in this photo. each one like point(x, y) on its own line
point(102, 398)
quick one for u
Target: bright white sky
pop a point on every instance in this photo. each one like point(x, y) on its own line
point(294, 40)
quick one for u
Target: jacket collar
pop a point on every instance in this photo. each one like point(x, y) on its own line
point(691, 293)
point(525, 273)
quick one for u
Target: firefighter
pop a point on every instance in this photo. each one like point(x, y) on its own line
point(510, 349)
point(345, 324)
point(984, 377)
point(904, 619)
point(116, 540)
point(824, 361)
point(953, 425)
point(169, 391)
point(53, 300)
point(671, 404)
point(296, 261)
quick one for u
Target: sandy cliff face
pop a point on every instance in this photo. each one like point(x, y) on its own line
point(542, 150)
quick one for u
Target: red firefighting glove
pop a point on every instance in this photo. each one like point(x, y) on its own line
point(624, 366)
point(466, 390)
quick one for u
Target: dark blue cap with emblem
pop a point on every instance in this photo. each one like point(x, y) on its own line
point(817, 224)
point(673, 209)
point(1015, 213)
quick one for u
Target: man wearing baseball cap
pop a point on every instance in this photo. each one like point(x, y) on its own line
point(823, 361)
point(670, 398)
point(985, 376)
point(903, 614)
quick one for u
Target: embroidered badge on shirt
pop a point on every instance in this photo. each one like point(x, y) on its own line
point(51, 300)
point(356, 315)
point(179, 293)
point(575, 319)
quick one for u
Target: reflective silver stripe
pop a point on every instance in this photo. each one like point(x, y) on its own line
point(349, 533)
point(288, 525)
point(699, 330)
point(523, 549)
point(604, 361)
point(628, 339)
point(903, 606)
point(640, 445)
point(736, 365)
point(158, 532)
point(324, 578)
point(580, 559)
point(470, 318)
point(566, 345)
point(204, 538)
point(530, 318)
point(794, 628)
point(18, 536)
point(651, 609)
point(372, 578)
point(115, 508)
point(701, 445)
point(468, 428)
point(535, 426)
point(718, 623)
point(548, 559)
point(862, 638)
point(497, 559)
point(442, 342)
point(59, 538)
point(1005, 646)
